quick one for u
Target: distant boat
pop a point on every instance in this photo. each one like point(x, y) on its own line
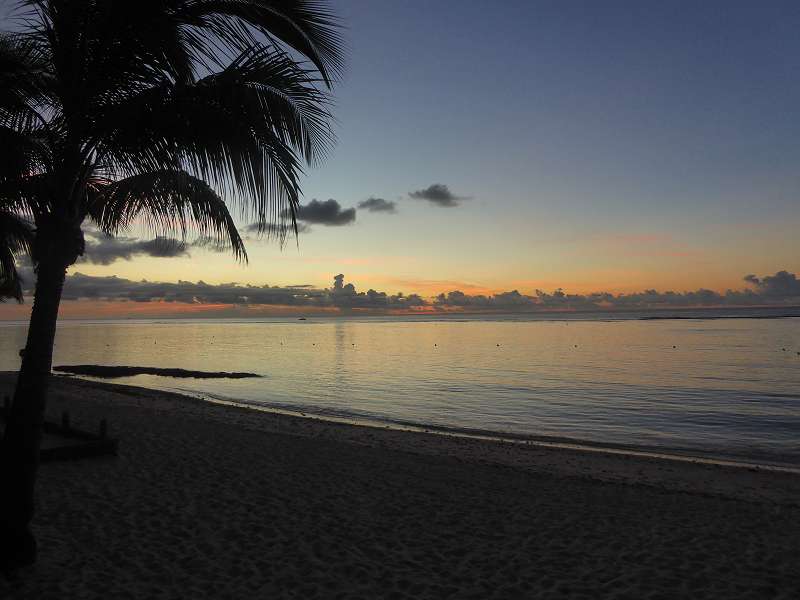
point(301, 319)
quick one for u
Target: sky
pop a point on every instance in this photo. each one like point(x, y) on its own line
point(590, 146)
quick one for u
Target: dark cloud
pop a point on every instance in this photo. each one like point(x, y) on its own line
point(378, 205)
point(781, 289)
point(80, 286)
point(256, 228)
point(344, 295)
point(329, 212)
point(106, 250)
point(438, 194)
point(102, 249)
point(261, 229)
point(211, 244)
point(781, 285)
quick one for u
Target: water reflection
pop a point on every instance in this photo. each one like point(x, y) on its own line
point(697, 384)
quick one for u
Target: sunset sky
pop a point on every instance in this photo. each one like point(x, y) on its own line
point(593, 146)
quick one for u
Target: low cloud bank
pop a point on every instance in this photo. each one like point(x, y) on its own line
point(780, 289)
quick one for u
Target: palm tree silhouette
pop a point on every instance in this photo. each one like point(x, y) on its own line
point(16, 238)
point(163, 114)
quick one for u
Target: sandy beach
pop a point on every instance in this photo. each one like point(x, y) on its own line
point(210, 501)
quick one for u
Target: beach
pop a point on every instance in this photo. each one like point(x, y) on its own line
point(213, 501)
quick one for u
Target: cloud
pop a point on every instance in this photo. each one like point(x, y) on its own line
point(79, 286)
point(783, 288)
point(102, 249)
point(329, 212)
point(781, 285)
point(106, 250)
point(438, 194)
point(378, 205)
point(780, 289)
point(261, 229)
point(112, 288)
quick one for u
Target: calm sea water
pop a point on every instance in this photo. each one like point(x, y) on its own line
point(727, 387)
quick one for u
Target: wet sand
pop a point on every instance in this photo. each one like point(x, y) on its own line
point(209, 501)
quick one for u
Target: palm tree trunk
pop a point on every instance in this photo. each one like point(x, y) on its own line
point(19, 458)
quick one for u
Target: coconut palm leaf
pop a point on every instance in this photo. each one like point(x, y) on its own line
point(167, 114)
point(163, 202)
point(306, 26)
point(16, 238)
point(244, 130)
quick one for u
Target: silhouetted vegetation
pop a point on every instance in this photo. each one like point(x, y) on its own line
point(123, 371)
point(166, 115)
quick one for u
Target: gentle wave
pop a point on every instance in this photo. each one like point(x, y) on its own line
point(724, 387)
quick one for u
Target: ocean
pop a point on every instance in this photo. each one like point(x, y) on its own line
point(709, 383)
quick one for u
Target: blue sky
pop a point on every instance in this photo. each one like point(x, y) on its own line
point(572, 121)
point(603, 146)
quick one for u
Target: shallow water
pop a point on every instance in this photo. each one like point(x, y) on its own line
point(728, 387)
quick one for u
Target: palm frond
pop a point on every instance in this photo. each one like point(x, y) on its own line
point(243, 130)
point(16, 238)
point(167, 202)
point(103, 102)
point(306, 26)
point(23, 82)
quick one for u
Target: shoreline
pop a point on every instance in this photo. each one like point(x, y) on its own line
point(555, 442)
point(212, 501)
point(650, 314)
point(690, 455)
point(562, 457)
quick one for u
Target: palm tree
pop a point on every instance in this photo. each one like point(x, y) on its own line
point(162, 114)
point(16, 237)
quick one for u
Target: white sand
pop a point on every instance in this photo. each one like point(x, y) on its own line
point(216, 502)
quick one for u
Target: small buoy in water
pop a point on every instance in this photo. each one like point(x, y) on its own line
point(435, 345)
point(498, 345)
point(674, 346)
point(576, 345)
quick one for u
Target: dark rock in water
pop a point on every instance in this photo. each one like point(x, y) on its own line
point(122, 371)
